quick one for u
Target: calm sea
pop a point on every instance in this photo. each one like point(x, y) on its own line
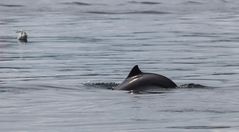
point(60, 80)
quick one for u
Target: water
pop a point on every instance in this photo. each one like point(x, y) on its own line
point(59, 80)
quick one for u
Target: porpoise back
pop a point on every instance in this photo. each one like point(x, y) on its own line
point(137, 80)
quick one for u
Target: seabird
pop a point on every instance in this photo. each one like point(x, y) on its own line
point(22, 36)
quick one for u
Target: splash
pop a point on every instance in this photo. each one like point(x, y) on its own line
point(148, 90)
point(192, 85)
point(102, 85)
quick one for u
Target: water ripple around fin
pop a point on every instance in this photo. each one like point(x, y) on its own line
point(103, 85)
point(153, 90)
point(150, 91)
point(193, 85)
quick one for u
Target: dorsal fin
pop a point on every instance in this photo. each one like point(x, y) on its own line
point(135, 71)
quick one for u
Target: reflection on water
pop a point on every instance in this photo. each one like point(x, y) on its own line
point(59, 80)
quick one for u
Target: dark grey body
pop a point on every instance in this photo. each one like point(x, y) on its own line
point(138, 80)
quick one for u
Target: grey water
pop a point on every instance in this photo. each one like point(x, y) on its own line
point(77, 50)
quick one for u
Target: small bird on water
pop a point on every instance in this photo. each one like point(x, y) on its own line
point(22, 36)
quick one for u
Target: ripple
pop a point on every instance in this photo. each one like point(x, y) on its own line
point(192, 2)
point(200, 127)
point(193, 85)
point(77, 3)
point(149, 12)
point(145, 2)
point(14, 68)
point(17, 89)
point(151, 90)
point(102, 85)
point(229, 73)
point(71, 39)
point(10, 5)
point(202, 111)
point(130, 12)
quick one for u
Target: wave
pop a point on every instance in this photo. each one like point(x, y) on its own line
point(214, 111)
point(193, 2)
point(10, 5)
point(77, 3)
point(145, 2)
point(200, 127)
point(130, 12)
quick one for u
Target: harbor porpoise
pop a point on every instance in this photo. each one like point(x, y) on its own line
point(138, 81)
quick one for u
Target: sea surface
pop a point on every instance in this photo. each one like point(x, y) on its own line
point(78, 50)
